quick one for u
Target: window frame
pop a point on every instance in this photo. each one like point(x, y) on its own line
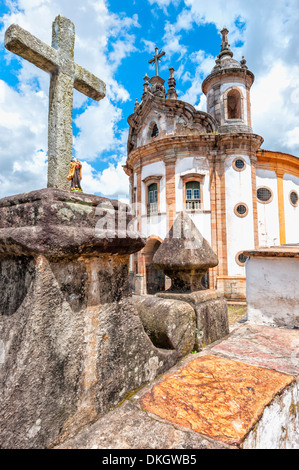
point(269, 200)
point(291, 202)
point(235, 167)
point(227, 92)
point(155, 179)
point(188, 179)
point(238, 261)
point(237, 213)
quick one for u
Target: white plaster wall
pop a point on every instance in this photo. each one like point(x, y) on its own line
point(291, 183)
point(272, 291)
point(268, 217)
point(242, 88)
point(278, 427)
point(240, 230)
point(154, 225)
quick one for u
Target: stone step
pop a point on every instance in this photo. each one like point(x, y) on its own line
point(241, 392)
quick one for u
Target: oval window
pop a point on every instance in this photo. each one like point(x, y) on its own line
point(294, 198)
point(264, 194)
point(241, 210)
point(241, 259)
point(239, 164)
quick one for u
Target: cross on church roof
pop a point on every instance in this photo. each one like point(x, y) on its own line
point(57, 60)
point(156, 59)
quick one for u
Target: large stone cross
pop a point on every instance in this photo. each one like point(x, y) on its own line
point(57, 60)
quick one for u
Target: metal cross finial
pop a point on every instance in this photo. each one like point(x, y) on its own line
point(156, 59)
point(58, 61)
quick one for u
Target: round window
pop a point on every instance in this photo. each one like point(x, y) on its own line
point(294, 198)
point(239, 164)
point(241, 259)
point(264, 195)
point(241, 210)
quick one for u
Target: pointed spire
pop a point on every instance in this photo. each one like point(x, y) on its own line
point(146, 85)
point(172, 94)
point(225, 46)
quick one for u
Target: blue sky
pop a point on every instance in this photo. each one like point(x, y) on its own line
point(115, 40)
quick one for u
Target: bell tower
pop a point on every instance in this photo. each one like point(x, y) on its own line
point(227, 89)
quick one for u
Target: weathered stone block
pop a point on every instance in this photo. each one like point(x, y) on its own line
point(170, 324)
point(71, 342)
point(211, 314)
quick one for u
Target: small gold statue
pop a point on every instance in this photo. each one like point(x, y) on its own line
point(75, 175)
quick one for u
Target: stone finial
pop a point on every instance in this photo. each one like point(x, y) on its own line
point(225, 46)
point(172, 94)
point(243, 63)
point(136, 104)
point(58, 61)
point(185, 256)
point(146, 85)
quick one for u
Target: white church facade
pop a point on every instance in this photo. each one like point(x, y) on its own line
point(211, 165)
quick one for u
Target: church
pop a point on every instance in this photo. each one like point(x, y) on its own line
point(211, 165)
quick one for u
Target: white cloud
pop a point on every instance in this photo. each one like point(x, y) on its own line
point(268, 35)
point(111, 182)
point(24, 111)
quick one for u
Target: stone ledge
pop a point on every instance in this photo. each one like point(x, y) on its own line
point(59, 223)
point(283, 251)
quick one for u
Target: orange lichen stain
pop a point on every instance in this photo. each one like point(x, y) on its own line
point(220, 398)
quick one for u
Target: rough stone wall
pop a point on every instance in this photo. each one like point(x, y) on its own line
point(71, 342)
point(74, 347)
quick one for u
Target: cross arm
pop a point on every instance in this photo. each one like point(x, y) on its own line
point(24, 44)
point(89, 84)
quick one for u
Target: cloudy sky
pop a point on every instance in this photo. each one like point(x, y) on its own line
point(114, 40)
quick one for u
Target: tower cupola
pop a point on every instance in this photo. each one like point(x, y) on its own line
point(227, 89)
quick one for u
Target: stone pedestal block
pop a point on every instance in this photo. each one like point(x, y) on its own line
point(71, 342)
point(211, 314)
point(169, 323)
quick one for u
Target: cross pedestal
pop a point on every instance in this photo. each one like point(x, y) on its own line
point(58, 61)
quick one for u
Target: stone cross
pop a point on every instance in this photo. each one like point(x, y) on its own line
point(58, 61)
point(156, 59)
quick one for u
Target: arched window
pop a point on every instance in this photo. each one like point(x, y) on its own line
point(155, 131)
point(233, 104)
point(193, 200)
point(152, 198)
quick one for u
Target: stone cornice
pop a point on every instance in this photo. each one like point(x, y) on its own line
point(240, 72)
point(220, 144)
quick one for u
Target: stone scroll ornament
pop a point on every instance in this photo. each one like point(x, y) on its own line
point(66, 75)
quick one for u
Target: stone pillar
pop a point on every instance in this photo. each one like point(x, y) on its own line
point(170, 189)
point(71, 342)
point(281, 214)
point(254, 201)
